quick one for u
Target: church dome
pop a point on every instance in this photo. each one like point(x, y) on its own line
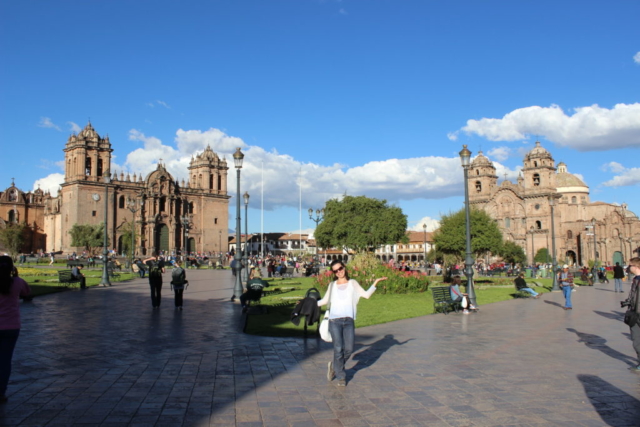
point(481, 160)
point(88, 132)
point(538, 152)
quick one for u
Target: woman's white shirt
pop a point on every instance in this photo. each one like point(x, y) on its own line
point(353, 293)
point(342, 301)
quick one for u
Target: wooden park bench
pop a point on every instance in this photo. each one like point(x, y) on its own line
point(66, 279)
point(31, 259)
point(111, 270)
point(442, 300)
point(75, 262)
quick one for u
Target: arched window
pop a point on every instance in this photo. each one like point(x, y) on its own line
point(210, 182)
point(121, 202)
point(162, 203)
point(477, 171)
point(87, 166)
point(569, 234)
point(190, 207)
point(13, 216)
point(507, 222)
point(100, 170)
point(574, 199)
point(478, 186)
point(538, 225)
point(219, 183)
point(535, 164)
point(536, 179)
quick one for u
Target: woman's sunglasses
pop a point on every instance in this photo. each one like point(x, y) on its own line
point(337, 269)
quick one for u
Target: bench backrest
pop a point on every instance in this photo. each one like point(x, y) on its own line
point(64, 275)
point(441, 293)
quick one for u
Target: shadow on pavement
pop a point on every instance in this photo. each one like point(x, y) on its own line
point(614, 315)
point(596, 342)
point(553, 303)
point(615, 407)
point(369, 356)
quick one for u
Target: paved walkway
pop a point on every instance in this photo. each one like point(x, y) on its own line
point(103, 357)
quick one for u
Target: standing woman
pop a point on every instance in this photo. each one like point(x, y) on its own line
point(342, 296)
point(11, 289)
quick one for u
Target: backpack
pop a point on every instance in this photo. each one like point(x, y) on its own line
point(178, 276)
point(155, 270)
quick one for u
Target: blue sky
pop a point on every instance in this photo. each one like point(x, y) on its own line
point(359, 97)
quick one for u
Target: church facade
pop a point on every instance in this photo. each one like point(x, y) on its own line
point(168, 215)
point(582, 228)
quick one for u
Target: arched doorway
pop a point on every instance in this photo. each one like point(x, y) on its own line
point(162, 237)
point(618, 257)
point(191, 245)
point(120, 245)
point(571, 257)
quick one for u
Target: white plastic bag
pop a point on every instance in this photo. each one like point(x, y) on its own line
point(324, 328)
point(463, 303)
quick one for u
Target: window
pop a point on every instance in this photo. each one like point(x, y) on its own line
point(478, 186)
point(93, 213)
point(121, 202)
point(477, 171)
point(100, 171)
point(569, 234)
point(535, 164)
point(162, 203)
point(536, 179)
point(215, 220)
point(538, 225)
point(574, 199)
point(191, 207)
point(210, 182)
point(12, 216)
point(507, 222)
point(219, 183)
point(87, 166)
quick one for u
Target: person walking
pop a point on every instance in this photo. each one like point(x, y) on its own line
point(12, 288)
point(632, 316)
point(178, 283)
point(565, 281)
point(342, 296)
point(156, 269)
point(618, 275)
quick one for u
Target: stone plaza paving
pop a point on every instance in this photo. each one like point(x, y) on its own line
point(104, 357)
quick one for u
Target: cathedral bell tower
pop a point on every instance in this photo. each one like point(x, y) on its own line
point(539, 172)
point(87, 156)
point(482, 179)
point(208, 173)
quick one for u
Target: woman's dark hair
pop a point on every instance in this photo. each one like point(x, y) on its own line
point(457, 280)
point(337, 261)
point(6, 274)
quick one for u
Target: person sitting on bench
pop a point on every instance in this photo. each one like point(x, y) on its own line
point(255, 285)
point(76, 274)
point(458, 296)
point(521, 285)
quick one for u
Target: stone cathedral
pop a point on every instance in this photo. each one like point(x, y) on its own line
point(523, 211)
point(169, 216)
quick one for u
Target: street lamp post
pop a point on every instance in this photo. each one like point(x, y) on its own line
point(532, 254)
point(595, 253)
point(319, 217)
point(465, 157)
point(424, 246)
point(184, 220)
point(246, 230)
point(106, 177)
point(134, 207)
point(554, 262)
point(237, 289)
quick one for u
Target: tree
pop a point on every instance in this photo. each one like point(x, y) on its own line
point(127, 229)
point(542, 256)
point(450, 238)
point(512, 253)
point(87, 236)
point(361, 223)
point(12, 237)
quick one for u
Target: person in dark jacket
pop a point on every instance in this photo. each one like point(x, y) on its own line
point(618, 275)
point(308, 307)
point(633, 304)
point(255, 286)
point(521, 285)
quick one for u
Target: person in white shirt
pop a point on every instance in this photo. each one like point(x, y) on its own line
point(342, 296)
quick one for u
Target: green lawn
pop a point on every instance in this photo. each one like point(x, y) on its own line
point(380, 308)
point(45, 281)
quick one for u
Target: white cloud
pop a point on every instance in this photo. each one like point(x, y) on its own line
point(74, 127)
point(636, 58)
point(500, 153)
point(49, 183)
point(432, 224)
point(158, 102)
point(614, 167)
point(590, 128)
point(45, 122)
point(624, 176)
point(190, 141)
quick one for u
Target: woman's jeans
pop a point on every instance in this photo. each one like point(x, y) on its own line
point(8, 339)
point(566, 290)
point(342, 332)
point(531, 291)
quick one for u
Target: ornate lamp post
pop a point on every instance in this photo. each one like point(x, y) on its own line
point(533, 260)
point(554, 262)
point(465, 157)
point(184, 220)
point(246, 230)
point(595, 253)
point(237, 289)
point(106, 177)
point(424, 246)
point(319, 217)
point(133, 206)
